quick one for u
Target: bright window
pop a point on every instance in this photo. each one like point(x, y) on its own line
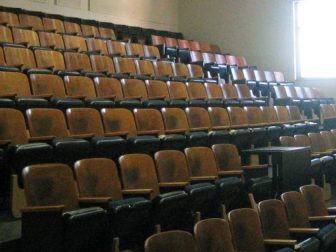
point(315, 34)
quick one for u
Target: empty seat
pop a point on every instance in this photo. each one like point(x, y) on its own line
point(213, 235)
point(328, 116)
point(215, 94)
point(53, 23)
point(280, 78)
point(49, 125)
point(203, 167)
point(87, 123)
point(158, 41)
point(106, 30)
point(110, 87)
point(52, 86)
point(116, 48)
point(176, 121)
point(51, 40)
point(255, 176)
point(244, 93)
point(127, 66)
point(49, 59)
point(263, 85)
point(8, 18)
point(82, 87)
point(5, 35)
point(247, 233)
point(179, 93)
point(178, 241)
point(138, 174)
point(171, 48)
point(215, 68)
point(78, 62)
point(281, 98)
point(298, 217)
point(75, 43)
point(231, 96)
point(275, 225)
point(96, 46)
point(19, 56)
point(53, 215)
point(25, 37)
point(163, 70)
point(196, 74)
point(103, 64)
point(145, 67)
point(183, 50)
point(290, 127)
point(297, 118)
point(90, 28)
point(304, 104)
point(129, 217)
point(198, 95)
point(151, 52)
point(149, 121)
point(220, 121)
point(120, 122)
point(72, 26)
point(157, 88)
point(135, 50)
point(27, 20)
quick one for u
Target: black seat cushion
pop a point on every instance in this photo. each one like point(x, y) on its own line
point(143, 144)
point(7, 103)
point(99, 103)
point(174, 142)
point(108, 146)
point(65, 103)
point(198, 138)
point(24, 103)
point(309, 245)
point(69, 150)
point(327, 236)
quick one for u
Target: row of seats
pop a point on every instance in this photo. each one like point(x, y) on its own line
point(328, 116)
point(167, 190)
point(91, 28)
point(273, 224)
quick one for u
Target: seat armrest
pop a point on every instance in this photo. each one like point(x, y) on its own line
point(281, 242)
point(84, 136)
point(304, 230)
point(322, 218)
point(229, 173)
point(41, 139)
point(173, 184)
point(117, 133)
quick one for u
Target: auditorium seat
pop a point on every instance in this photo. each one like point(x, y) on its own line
point(220, 122)
point(199, 120)
point(251, 81)
point(135, 89)
point(75, 43)
point(273, 218)
point(90, 28)
point(28, 38)
point(138, 175)
point(151, 52)
point(53, 23)
point(15, 91)
point(280, 79)
point(315, 104)
point(49, 126)
point(19, 56)
point(159, 42)
point(145, 68)
point(135, 50)
point(87, 123)
point(129, 217)
point(203, 167)
point(51, 40)
point(178, 241)
point(215, 68)
point(173, 173)
point(79, 62)
point(298, 217)
point(255, 176)
point(281, 98)
point(116, 48)
point(215, 94)
point(52, 87)
point(198, 95)
point(95, 45)
point(126, 66)
point(205, 46)
point(264, 86)
point(196, 74)
point(231, 96)
point(49, 59)
point(72, 26)
point(171, 47)
point(215, 48)
point(157, 88)
point(244, 93)
point(120, 122)
point(53, 216)
point(290, 128)
point(8, 18)
point(32, 21)
point(179, 96)
point(194, 45)
point(163, 70)
point(175, 121)
point(6, 34)
point(304, 104)
point(247, 232)
point(328, 116)
point(213, 235)
point(19, 147)
point(296, 117)
point(104, 64)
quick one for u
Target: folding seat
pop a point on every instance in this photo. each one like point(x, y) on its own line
point(244, 93)
point(138, 175)
point(177, 240)
point(231, 96)
point(172, 172)
point(281, 98)
point(163, 70)
point(96, 46)
point(231, 60)
point(120, 122)
point(53, 23)
point(255, 176)
point(15, 91)
point(290, 127)
point(199, 120)
point(53, 86)
point(210, 64)
point(263, 86)
point(197, 92)
point(196, 74)
point(135, 89)
point(111, 87)
point(194, 45)
point(176, 121)
point(49, 59)
point(2, 58)
point(296, 117)
point(328, 116)
point(315, 104)
point(82, 87)
point(106, 31)
point(271, 118)
point(116, 48)
point(205, 47)
point(215, 48)
point(171, 48)
point(214, 94)
point(179, 94)
point(74, 43)
point(87, 122)
point(90, 28)
point(220, 120)
point(49, 125)
point(127, 66)
point(79, 62)
point(196, 57)
point(5, 35)
point(9, 18)
point(103, 64)
point(298, 217)
point(275, 225)
point(203, 167)
point(151, 52)
point(19, 56)
point(280, 78)
point(53, 215)
point(304, 104)
point(213, 235)
point(27, 20)
point(146, 68)
point(247, 233)
point(314, 93)
point(135, 50)
point(72, 26)
point(159, 42)
point(122, 32)
point(242, 135)
point(129, 217)
point(180, 71)
point(51, 40)
point(150, 122)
